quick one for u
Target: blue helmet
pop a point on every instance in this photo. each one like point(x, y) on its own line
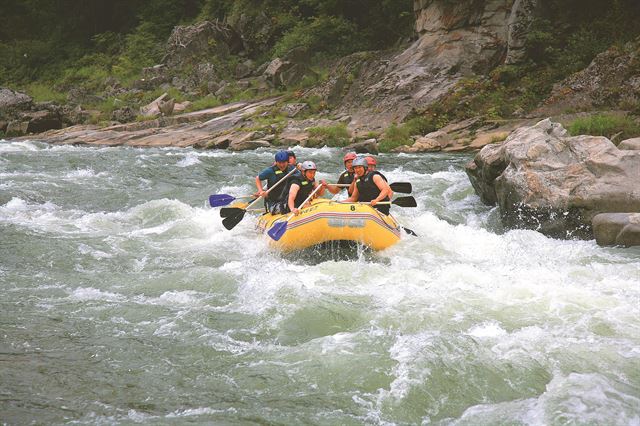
point(282, 156)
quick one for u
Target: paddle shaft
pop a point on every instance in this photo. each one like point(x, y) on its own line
point(402, 187)
point(270, 188)
point(319, 187)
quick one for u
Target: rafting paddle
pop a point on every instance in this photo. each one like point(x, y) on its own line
point(400, 201)
point(228, 211)
point(279, 228)
point(409, 231)
point(217, 200)
point(235, 214)
point(401, 187)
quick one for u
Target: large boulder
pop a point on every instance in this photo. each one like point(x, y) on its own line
point(617, 229)
point(11, 101)
point(543, 179)
point(633, 144)
point(190, 44)
point(287, 72)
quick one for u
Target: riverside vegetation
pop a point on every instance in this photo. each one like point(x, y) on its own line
point(98, 57)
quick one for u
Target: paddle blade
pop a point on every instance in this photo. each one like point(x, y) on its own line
point(230, 221)
point(405, 202)
point(401, 187)
point(409, 231)
point(230, 211)
point(277, 231)
point(217, 200)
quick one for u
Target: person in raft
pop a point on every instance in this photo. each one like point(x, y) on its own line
point(372, 164)
point(293, 160)
point(370, 187)
point(276, 200)
point(346, 177)
point(302, 185)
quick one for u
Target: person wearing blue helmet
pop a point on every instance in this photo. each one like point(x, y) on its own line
point(276, 200)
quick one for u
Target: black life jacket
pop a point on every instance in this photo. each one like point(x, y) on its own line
point(306, 187)
point(282, 191)
point(346, 178)
point(368, 190)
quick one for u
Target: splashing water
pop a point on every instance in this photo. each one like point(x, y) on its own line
point(124, 300)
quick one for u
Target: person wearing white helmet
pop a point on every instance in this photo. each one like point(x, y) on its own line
point(370, 187)
point(302, 185)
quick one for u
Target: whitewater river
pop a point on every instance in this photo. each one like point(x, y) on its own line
point(125, 301)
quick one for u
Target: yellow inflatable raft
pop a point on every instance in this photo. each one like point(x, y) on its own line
point(327, 220)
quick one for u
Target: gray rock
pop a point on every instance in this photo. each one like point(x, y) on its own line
point(41, 121)
point(123, 115)
point(369, 146)
point(291, 110)
point(17, 128)
point(617, 229)
point(632, 144)
point(282, 73)
point(190, 44)
point(12, 100)
point(244, 69)
point(543, 179)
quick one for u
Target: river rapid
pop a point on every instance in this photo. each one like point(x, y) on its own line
point(125, 301)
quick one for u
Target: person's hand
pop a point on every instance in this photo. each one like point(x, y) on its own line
point(295, 211)
point(262, 193)
point(374, 202)
point(323, 183)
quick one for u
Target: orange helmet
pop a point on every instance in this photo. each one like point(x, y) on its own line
point(371, 161)
point(349, 156)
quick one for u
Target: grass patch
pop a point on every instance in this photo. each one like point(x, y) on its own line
point(394, 137)
point(204, 103)
point(608, 125)
point(44, 92)
point(398, 135)
point(334, 136)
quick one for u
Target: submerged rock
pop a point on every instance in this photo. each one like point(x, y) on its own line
point(543, 179)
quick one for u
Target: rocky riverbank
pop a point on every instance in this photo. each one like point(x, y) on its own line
point(541, 178)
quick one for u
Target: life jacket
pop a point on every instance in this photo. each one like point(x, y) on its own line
point(306, 187)
point(368, 190)
point(346, 177)
point(282, 191)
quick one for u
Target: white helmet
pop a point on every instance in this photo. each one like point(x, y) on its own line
point(360, 161)
point(308, 165)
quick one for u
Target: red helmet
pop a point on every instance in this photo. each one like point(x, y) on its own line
point(371, 161)
point(349, 156)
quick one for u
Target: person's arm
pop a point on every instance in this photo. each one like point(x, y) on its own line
point(333, 189)
point(264, 175)
point(354, 196)
point(383, 187)
point(293, 191)
point(261, 190)
point(352, 185)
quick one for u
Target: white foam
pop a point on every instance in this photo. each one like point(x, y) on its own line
point(490, 329)
point(189, 160)
point(90, 293)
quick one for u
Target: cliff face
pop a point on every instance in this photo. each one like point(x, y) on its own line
point(454, 39)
